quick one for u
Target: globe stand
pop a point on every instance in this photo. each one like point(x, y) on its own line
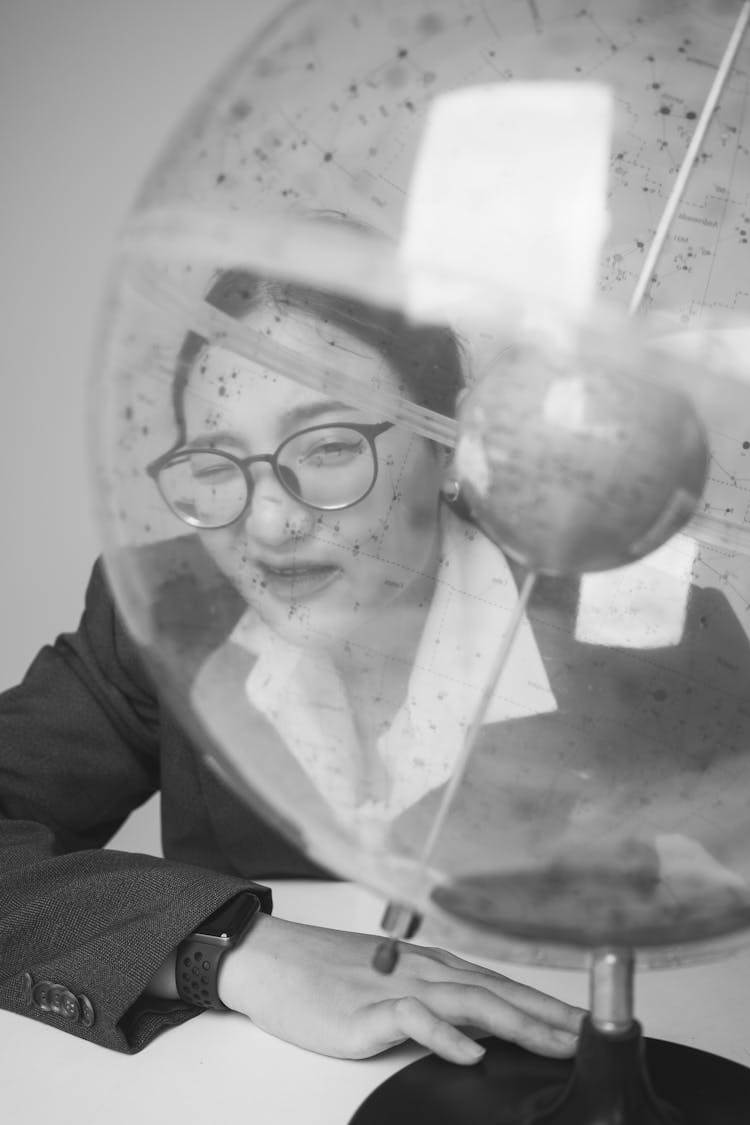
point(617, 1077)
point(609, 1084)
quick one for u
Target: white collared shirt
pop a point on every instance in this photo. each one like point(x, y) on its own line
point(301, 693)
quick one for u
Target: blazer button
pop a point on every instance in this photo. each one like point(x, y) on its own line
point(47, 996)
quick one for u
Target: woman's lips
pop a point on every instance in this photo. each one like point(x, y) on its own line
point(297, 583)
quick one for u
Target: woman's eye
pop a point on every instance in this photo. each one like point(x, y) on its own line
point(215, 472)
point(329, 451)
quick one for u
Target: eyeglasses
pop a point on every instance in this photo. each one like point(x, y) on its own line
point(329, 467)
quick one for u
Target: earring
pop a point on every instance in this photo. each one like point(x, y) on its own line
point(451, 491)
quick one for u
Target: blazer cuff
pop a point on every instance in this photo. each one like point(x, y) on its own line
point(93, 984)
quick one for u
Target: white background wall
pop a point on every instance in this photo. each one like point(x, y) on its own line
point(89, 89)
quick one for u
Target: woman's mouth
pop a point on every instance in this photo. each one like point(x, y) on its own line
point(299, 582)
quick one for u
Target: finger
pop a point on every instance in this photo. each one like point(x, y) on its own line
point(543, 1007)
point(482, 1008)
point(391, 1022)
point(434, 962)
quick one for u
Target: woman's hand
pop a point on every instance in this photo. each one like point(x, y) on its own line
point(317, 988)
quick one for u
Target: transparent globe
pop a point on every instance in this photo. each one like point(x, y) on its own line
point(461, 604)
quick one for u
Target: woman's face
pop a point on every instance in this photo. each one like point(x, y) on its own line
point(317, 577)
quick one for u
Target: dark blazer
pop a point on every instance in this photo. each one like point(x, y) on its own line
point(85, 739)
point(88, 736)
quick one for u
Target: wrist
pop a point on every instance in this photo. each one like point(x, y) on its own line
point(239, 969)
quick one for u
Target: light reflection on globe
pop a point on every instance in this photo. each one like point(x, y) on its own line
point(329, 637)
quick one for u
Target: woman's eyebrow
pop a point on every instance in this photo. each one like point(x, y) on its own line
point(214, 437)
point(296, 416)
point(306, 412)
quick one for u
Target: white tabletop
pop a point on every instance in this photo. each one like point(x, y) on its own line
point(219, 1066)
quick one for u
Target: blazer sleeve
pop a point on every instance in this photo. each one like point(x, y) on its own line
point(83, 929)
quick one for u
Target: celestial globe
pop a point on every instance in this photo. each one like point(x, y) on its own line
point(421, 441)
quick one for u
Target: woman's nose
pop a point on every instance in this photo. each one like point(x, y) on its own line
point(273, 516)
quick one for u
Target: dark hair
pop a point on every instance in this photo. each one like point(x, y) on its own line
point(427, 358)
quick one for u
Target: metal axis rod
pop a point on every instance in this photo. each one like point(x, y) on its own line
point(725, 67)
point(611, 990)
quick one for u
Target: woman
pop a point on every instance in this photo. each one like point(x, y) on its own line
point(89, 735)
point(373, 610)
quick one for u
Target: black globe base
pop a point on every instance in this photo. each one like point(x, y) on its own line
point(609, 1084)
point(614, 1080)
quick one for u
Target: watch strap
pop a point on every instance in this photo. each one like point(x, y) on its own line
point(199, 954)
point(197, 972)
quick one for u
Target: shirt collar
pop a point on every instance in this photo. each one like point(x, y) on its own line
point(301, 693)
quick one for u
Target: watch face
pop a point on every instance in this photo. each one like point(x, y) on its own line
point(227, 924)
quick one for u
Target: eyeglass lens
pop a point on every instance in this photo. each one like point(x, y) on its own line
point(327, 467)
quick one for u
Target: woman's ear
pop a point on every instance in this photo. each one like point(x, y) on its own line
point(450, 488)
point(447, 452)
point(449, 483)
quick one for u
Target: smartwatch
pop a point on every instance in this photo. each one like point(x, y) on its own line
point(199, 955)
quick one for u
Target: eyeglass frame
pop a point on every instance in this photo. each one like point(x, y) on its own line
point(369, 431)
